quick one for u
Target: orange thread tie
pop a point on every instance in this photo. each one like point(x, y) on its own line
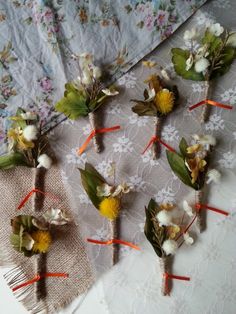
point(157, 139)
point(116, 241)
point(27, 197)
point(219, 211)
point(39, 277)
point(168, 276)
point(92, 134)
point(210, 102)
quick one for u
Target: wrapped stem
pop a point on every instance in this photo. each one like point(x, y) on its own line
point(165, 268)
point(156, 144)
point(38, 180)
point(206, 108)
point(94, 126)
point(114, 228)
point(199, 221)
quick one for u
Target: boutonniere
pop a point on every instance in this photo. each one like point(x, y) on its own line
point(27, 145)
point(166, 232)
point(107, 199)
point(160, 99)
point(191, 166)
point(84, 96)
point(208, 55)
point(31, 235)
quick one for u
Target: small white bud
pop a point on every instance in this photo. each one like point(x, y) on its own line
point(97, 73)
point(44, 161)
point(201, 65)
point(170, 246)
point(30, 133)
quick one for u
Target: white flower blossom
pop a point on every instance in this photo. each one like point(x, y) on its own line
point(189, 62)
point(29, 116)
point(44, 161)
point(55, 216)
point(30, 132)
point(170, 246)
point(27, 241)
point(205, 139)
point(213, 175)
point(164, 217)
point(165, 75)
point(97, 73)
point(86, 77)
point(110, 92)
point(187, 239)
point(201, 65)
point(108, 190)
point(216, 29)
point(187, 208)
point(190, 34)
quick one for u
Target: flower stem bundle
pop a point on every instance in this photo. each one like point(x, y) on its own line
point(85, 95)
point(160, 99)
point(191, 166)
point(165, 233)
point(107, 199)
point(208, 55)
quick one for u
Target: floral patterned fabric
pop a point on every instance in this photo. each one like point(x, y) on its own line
point(38, 38)
point(133, 286)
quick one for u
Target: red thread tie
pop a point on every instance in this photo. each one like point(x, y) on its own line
point(39, 277)
point(116, 241)
point(168, 276)
point(157, 139)
point(210, 102)
point(27, 197)
point(219, 211)
point(92, 134)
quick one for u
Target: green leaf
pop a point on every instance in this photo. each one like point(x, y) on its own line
point(213, 42)
point(183, 147)
point(90, 180)
point(12, 160)
point(178, 166)
point(144, 108)
point(179, 57)
point(155, 234)
point(73, 104)
point(228, 56)
point(15, 241)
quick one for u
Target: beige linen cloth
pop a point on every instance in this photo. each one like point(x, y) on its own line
point(67, 253)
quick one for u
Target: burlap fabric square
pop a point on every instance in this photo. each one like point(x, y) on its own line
point(67, 253)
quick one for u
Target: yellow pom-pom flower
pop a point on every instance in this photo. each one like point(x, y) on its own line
point(42, 241)
point(165, 101)
point(110, 207)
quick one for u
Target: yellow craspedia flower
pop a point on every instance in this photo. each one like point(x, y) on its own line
point(164, 101)
point(110, 207)
point(42, 241)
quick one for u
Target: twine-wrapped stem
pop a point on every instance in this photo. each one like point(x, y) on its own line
point(40, 261)
point(206, 108)
point(94, 126)
point(165, 266)
point(156, 144)
point(199, 220)
point(114, 229)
